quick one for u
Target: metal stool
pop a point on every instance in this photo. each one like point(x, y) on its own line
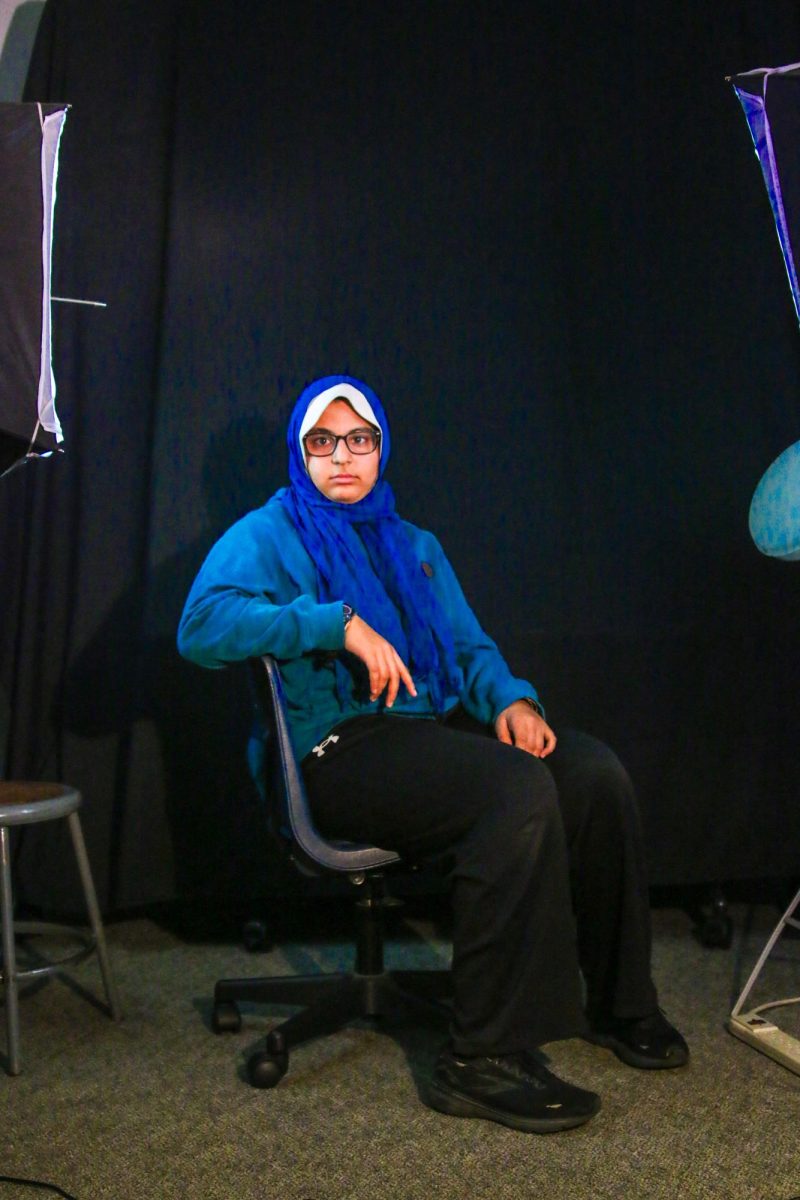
point(28, 804)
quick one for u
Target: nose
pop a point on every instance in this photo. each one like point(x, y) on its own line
point(341, 454)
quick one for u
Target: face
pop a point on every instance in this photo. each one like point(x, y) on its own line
point(343, 476)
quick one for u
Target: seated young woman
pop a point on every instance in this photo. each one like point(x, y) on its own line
point(414, 735)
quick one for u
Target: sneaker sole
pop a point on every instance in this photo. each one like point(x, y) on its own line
point(632, 1059)
point(455, 1104)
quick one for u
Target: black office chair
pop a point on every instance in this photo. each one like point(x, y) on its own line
point(328, 1001)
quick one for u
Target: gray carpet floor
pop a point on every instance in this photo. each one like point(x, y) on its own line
point(156, 1106)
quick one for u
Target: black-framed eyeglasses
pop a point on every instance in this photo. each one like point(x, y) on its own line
point(321, 443)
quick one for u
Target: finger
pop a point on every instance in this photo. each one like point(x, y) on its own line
point(394, 685)
point(532, 746)
point(529, 736)
point(405, 675)
point(501, 728)
point(378, 678)
point(550, 742)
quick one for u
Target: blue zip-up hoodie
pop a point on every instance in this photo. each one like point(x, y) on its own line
point(257, 594)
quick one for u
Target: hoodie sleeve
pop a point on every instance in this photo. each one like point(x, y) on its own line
point(489, 687)
point(255, 594)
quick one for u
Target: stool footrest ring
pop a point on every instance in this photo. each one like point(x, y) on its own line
point(47, 929)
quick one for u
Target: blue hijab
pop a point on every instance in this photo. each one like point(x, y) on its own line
point(362, 553)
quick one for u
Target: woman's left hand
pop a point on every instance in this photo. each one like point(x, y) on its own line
point(521, 726)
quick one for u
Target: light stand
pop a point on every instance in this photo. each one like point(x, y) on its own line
point(770, 98)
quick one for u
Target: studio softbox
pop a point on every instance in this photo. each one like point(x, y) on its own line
point(29, 140)
point(770, 97)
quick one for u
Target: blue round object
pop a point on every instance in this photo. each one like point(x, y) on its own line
point(775, 507)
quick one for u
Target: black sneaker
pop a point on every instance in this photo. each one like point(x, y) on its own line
point(514, 1089)
point(647, 1042)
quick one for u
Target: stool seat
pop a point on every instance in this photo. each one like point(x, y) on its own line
point(24, 803)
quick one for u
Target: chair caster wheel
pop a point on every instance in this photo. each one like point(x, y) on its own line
point(226, 1018)
point(714, 927)
point(716, 932)
point(254, 936)
point(265, 1070)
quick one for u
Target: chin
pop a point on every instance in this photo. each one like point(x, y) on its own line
point(348, 489)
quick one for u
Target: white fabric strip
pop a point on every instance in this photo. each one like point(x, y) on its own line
point(51, 135)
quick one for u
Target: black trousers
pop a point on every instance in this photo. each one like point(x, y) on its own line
point(544, 858)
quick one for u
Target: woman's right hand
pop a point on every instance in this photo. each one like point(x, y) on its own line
point(386, 668)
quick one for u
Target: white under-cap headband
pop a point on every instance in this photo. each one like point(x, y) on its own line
point(340, 391)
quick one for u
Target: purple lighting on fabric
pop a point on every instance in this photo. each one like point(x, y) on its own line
point(752, 91)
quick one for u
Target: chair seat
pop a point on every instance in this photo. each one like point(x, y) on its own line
point(25, 803)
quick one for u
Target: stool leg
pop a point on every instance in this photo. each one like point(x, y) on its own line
point(94, 914)
point(9, 954)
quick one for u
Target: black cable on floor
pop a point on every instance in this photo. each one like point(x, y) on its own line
point(37, 1183)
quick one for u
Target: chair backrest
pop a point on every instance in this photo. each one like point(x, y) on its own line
point(287, 792)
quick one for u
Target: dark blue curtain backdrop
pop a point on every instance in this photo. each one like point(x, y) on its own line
point(539, 232)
